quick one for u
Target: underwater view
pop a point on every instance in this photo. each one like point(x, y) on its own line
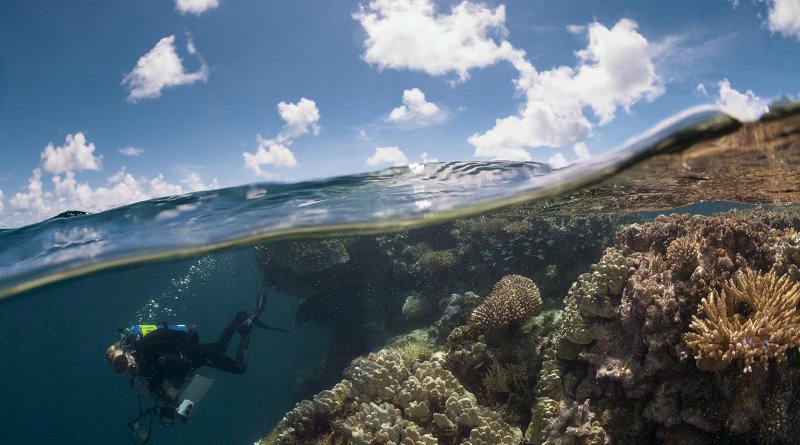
point(400, 222)
point(651, 296)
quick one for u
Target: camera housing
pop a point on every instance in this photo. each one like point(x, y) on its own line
point(185, 410)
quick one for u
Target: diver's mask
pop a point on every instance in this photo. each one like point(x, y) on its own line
point(121, 360)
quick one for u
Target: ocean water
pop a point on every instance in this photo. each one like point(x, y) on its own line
point(352, 263)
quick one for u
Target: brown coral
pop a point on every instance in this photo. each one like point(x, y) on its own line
point(514, 298)
point(682, 254)
point(753, 317)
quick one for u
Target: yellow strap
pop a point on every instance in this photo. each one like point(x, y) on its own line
point(147, 328)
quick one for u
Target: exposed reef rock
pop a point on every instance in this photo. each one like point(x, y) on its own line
point(369, 289)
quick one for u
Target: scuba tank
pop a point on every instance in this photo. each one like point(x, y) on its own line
point(177, 332)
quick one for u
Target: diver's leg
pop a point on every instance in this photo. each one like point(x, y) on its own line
point(225, 336)
point(203, 354)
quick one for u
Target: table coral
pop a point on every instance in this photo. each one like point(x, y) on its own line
point(753, 317)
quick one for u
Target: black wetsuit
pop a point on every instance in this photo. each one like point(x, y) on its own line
point(171, 355)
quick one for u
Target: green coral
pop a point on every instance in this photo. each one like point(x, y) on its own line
point(542, 413)
point(573, 326)
point(435, 261)
point(591, 297)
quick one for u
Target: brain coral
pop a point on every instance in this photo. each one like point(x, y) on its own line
point(753, 317)
point(513, 299)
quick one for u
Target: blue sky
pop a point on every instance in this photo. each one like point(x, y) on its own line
point(105, 103)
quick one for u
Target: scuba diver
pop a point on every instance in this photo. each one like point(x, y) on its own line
point(159, 353)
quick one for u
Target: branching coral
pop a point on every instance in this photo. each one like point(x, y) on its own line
point(753, 317)
point(503, 379)
point(513, 299)
point(682, 255)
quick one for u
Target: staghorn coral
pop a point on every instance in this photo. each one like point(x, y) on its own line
point(413, 351)
point(513, 299)
point(501, 380)
point(753, 317)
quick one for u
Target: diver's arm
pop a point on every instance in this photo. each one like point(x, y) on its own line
point(162, 396)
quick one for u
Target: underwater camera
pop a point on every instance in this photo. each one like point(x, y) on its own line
point(184, 410)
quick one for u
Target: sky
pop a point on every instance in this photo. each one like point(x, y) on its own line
point(104, 103)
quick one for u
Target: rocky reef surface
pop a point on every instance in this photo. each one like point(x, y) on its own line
point(683, 330)
point(368, 289)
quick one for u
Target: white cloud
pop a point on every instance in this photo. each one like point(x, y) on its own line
point(300, 118)
point(416, 111)
point(784, 17)
point(158, 69)
point(425, 157)
point(558, 161)
point(581, 151)
point(412, 34)
point(745, 106)
point(269, 152)
point(614, 71)
point(1, 201)
point(131, 151)
point(387, 155)
point(38, 202)
point(74, 155)
point(576, 29)
point(196, 7)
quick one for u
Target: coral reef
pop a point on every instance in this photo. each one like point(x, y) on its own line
point(513, 299)
point(753, 317)
point(387, 400)
point(415, 307)
point(302, 256)
point(686, 330)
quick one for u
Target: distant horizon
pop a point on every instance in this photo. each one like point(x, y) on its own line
point(104, 105)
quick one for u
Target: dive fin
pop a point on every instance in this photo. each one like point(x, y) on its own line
point(261, 304)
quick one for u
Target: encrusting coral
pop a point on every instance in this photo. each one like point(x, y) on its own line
point(514, 299)
point(753, 317)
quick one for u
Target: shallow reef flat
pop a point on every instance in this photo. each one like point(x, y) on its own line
point(684, 329)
